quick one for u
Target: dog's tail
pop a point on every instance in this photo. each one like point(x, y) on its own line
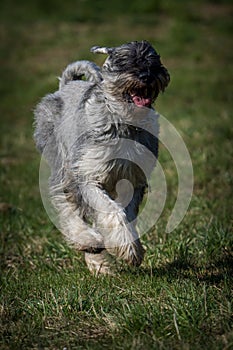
point(80, 70)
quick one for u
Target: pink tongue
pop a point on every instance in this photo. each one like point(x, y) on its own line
point(140, 101)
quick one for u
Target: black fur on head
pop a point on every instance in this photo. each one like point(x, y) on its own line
point(136, 71)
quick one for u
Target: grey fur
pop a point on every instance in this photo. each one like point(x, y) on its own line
point(86, 130)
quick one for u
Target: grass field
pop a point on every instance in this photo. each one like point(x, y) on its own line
point(181, 297)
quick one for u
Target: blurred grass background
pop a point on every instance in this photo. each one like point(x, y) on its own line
point(181, 297)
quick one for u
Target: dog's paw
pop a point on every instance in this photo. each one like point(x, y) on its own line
point(100, 264)
point(131, 253)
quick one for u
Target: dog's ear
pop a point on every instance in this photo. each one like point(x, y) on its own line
point(99, 49)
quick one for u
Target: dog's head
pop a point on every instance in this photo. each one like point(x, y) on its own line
point(133, 72)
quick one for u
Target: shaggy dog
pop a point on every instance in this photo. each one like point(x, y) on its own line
point(99, 137)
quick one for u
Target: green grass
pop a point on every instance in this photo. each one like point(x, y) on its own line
point(181, 297)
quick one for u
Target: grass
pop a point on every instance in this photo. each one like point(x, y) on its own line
point(181, 297)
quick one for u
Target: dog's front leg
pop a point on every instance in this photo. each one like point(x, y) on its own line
point(120, 236)
point(83, 237)
point(76, 231)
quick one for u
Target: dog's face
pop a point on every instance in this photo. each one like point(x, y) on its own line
point(134, 73)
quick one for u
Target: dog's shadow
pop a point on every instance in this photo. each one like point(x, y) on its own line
point(212, 273)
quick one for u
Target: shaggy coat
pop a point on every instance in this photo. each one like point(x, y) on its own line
point(99, 137)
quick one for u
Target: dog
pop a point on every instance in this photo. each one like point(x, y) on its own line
point(98, 133)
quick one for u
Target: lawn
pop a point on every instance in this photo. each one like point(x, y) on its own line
point(181, 296)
